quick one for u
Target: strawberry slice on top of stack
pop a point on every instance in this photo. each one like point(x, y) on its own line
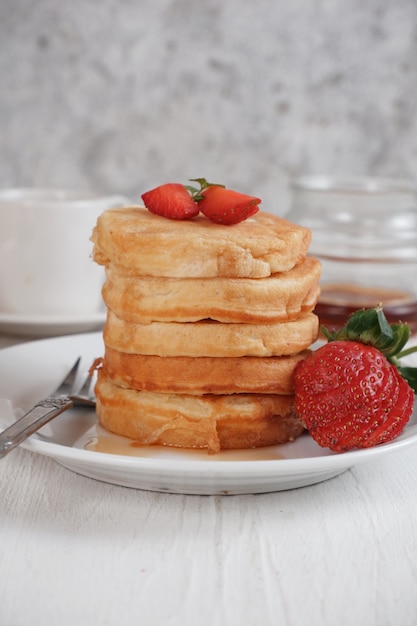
point(218, 204)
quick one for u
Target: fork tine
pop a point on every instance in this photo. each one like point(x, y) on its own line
point(67, 384)
point(85, 389)
point(83, 396)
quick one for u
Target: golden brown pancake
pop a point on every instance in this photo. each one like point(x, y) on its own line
point(133, 240)
point(212, 422)
point(200, 375)
point(209, 338)
point(279, 297)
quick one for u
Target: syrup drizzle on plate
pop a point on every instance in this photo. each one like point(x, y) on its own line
point(118, 445)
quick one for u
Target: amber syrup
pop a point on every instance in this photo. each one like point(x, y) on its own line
point(337, 302)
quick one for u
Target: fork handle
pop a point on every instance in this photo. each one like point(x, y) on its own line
point(42, 413)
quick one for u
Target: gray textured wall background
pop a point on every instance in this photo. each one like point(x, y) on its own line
point(122, 95)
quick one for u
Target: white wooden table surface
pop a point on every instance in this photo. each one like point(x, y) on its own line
point(74, 551)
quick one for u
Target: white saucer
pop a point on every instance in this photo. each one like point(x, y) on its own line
point(49, 325)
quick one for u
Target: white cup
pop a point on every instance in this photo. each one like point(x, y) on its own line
point(45, 252)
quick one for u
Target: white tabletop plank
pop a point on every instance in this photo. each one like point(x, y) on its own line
point(79, 551)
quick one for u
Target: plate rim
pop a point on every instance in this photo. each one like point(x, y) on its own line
point(344, 459)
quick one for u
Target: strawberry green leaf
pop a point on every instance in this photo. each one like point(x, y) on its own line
point(410, 375)
point(385, 327)
point(401, 336)
point(370, 326)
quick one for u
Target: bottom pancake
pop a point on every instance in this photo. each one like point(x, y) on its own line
point(213, 422)
point(200, 375)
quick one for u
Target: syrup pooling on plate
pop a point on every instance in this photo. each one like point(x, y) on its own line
point(126, 447)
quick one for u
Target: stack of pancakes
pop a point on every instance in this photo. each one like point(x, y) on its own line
point(205, 325)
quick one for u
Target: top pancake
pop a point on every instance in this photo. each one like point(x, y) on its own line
point(135, 241)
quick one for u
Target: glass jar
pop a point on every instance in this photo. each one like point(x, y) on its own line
point(364, 231)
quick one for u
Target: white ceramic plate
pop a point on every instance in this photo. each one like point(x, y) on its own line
point(30, 371)
point(49, 325)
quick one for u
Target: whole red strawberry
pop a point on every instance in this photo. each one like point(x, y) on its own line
point(171, 200)
point(352, 392)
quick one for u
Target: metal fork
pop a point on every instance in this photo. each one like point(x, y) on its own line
point(60, 400)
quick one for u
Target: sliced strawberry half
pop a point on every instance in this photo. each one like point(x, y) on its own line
point(171, 200)
point(226, 206)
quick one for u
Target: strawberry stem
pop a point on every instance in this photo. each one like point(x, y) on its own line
point(196, 193)
point(406, 352)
